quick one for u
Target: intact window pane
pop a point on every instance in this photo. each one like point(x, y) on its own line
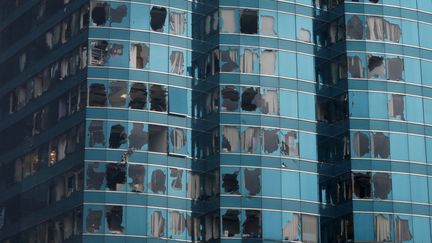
point(179, 101)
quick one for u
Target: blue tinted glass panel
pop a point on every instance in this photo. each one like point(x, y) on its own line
point(364, 230)
point(288, 103)
point(309, 187)
point(401, 187)
point(417, 148)
point(419, 188)
point(290, 184)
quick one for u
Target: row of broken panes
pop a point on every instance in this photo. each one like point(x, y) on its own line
point(42, 196)
point(139, 136)
point(45, 117)
point(266, 224)
point(141, 17)
point(230, 59)
point(33, 17)
point(380, 105)
point(394, 146)
point(152, 57)
point(263, 100)
point(45, 155)
point(66, 67)
point(54, 38)
point(62, 228)
point(152, 222)
point(266, 23)
point(255, 182)
point(151, 179)
point(271, 141)
point(141, 96)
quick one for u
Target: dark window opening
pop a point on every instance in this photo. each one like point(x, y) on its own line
point(157, 139)
point(376, 67)
point(231, 223)
point(361, 144)
point(158, 98)
point(252, 179)
point(252, 224)
point(355, 67)
point(230, 98)
point(229, 60)
point(250, 99)
point(115, 176)
point(137, 175)
point(249, 21)
point(118, 93)
point(396, 107)
point(230, 183)
point(158, 16)
point(94, 178)
point(380, 145)
point(355, 28)
point(362, 185)
point(138, 137)
point(96, 133)
point(117, 137)
point(138, 96)
point(395, 67)
point(98, 96)
point(158, 179)
point(382, 185)
point(114, 218)
point(117, 14)
point(100, 14)
point(270, 140)
point(94, 218)
point(99, 52)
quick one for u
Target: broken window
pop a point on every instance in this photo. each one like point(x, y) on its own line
point(139, 55)
point(138, 96)
point(290, 230)
point(98, 96)
point(230, 98)
point(355, 67)
point(100, 13)
point(157, 224)
point(268, 62)
point(157, 139)
point(99, 52)
point(158, 181)
point(178, 223)
point(117, 93)
point(229, 59)
point(193, 185)
point(114, 219)
point(158, 16)
point(355, 28)
point(230, 139)
point(396, 106)
point(158, 98)
point(269, 101)
point(250, 99)
point(382, 228)
point(231, 223)
point(177, 23)
point(395, 68)
point(290, 144)
point(177, 62)
point(94, 220)
point(249, 21)
point(176, 176)
point(228, 20)
point(96, 133)
point(374, 28)
point(382, 185)
point(249, 60)
point(230, 183)
point(115, 176)
point(380, 144)
point(402, 230)
point(136, 174)
point(309, 228)
point(361, 144)
point(95, 176)
point(362, 185)
point(268, 24)
point(376, 67)
point(251, 140)
point(66, 30)
point(271, 141)
point(252, 180)
point(118, 136)
point(178, 141)
point(138, 136)
point(252, 224)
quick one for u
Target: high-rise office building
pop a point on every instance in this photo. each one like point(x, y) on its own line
point(215, 121)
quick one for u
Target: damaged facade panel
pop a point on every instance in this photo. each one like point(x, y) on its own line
point(249, 21)
point(158, 181)
point(372, 185)
point(361, 144)
point(355, 67)
point(268, 62)
point(228, 20)
point(230, 183)
point(136, 174)
point(178, 140)
point(250, 98)
point(97, 95)
point(102, 13)
point(231, 223)
point(99, 52)
point(271, 141)
point(229, 59)
point(115, 176)
point(290, 143)
point(376, 67)
point(355, 28)
point(94, 220)
point(269, 101)
point(177, 22)
point(117, 93)
point(378, 29)
point(118, 136)
point(251, 140)
point(177, 62)
point(252, 224)
point(249, 60)
point(138, 137)
point(395, 68)
point(95, 176)
point(396, 106)
point(157, 224)
point(380, 144)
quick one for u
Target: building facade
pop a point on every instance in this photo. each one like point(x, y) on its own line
point(215, 121)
